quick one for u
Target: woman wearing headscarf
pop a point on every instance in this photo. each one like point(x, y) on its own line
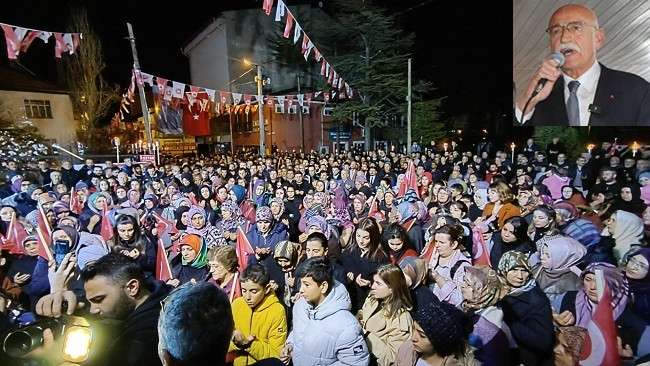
point(92, 215)
point(231, 220)
point(557, 272)
point(191, 263)
point(629, 200)
point(578, 307)
point(283, 272)
point(359, 208)
point(187, 184)
point(416, 273)
point(200, 226)
point(280, 214)
point(408, 211)
point(624, 231)
point(512, 236)
point(130, 240)
point(264, 236)
point(482, 289)
point(151, 205)
point(526, 311)
point(238, 195)
point(134, 199)
point(636, 272)
point(569, 193)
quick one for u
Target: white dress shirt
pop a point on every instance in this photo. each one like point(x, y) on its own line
point(586, 93)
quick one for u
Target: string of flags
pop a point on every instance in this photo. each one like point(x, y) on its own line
point(185, 108)
point(18, 40)
point(170, 90)
point(332, 77)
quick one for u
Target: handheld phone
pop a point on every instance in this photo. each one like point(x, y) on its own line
point(61, 248)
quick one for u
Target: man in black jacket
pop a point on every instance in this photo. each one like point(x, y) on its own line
point(583, 91)
point(116, 290)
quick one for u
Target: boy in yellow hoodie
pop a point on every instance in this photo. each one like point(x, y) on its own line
point(260, 319)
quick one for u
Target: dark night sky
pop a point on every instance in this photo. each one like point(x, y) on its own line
point(464, 48)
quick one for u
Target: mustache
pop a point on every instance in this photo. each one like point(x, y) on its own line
point(568, 46)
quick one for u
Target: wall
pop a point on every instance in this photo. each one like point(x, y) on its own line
point(61, 127)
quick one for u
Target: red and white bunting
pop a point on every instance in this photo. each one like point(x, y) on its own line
point(178, 89)
point(18, 39)
point(267, 6)
point(289, 100)
point(66, 42)
point(279, 11)
point(287, 27)
point(297, 31)
point(236, 97)
point(224, 96)
point(301, 99)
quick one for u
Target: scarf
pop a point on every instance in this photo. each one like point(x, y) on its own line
point(509, 261)
point(617, 284)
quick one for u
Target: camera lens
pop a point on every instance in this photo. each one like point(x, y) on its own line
point(21, 342)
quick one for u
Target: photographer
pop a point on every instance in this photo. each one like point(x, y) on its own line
point(116, 290)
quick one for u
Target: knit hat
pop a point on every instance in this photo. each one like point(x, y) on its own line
point(80, 185)
point(428, 175)
point(445, 326)
point(264, 214)
point(644, 175)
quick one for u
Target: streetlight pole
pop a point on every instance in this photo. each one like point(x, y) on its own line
point(143, 98)
point(408, 112)
point(260, 106)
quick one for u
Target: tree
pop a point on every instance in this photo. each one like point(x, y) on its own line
point(19, 140)
point(426, 121)
point(370, 51)
point(91, 95)
point(574, 139)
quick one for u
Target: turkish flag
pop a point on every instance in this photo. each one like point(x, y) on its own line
point(243, 248)
point(106, 229)
point(164, 226)
point(163, 270)
point(44, 225)
point(601, 346)
point(196, 116)
point(43, 247)
point(374, 211)
point(16, 233)
point(75, 204)
point(410, 181)
point(480, 252)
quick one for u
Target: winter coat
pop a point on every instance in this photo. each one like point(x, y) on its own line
point(276, 234)
point(186, 273)
point(327, 334)
point(507, 211)
point(352, 261)
point(407, 356)
point(531, 323)
point(385, 335)
point(267, 322)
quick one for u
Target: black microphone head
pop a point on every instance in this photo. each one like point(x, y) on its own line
point(558, 57)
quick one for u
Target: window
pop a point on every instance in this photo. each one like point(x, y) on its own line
point(293, 109)
point(38, 108)
point(327, 111)
point(279, 108)
point(305, 110)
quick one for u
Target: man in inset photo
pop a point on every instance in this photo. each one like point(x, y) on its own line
point(572, 88)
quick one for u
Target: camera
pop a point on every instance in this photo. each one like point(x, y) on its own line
point(76, 332)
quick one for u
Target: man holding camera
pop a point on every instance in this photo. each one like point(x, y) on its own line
point(116, 291)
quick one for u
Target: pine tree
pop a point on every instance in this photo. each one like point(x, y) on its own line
point(19, 140)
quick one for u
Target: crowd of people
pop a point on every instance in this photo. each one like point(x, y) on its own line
point(438, 257)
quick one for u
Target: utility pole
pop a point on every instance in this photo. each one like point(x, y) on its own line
point(408, 112)
point(302, 128)
point(143, 98)
point(260, 106)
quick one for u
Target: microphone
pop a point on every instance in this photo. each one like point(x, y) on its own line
point(558, 57)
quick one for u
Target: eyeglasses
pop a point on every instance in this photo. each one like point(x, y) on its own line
point(636, 262)
point(574, 28)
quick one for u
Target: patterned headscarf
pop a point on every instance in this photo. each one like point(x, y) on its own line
point(322, 198)
point(407, 210)
point(488, 288)
point(616, 282)
point(202, 231)
point(511, 260)
point(307, 201)
point(415, 269)
point(264, 214)
point(92, 200)
point(321, 222)
point(278, 201)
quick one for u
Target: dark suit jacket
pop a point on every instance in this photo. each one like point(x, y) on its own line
point(622, 99)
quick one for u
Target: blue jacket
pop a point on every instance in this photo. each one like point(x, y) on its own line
point(327, 334)
point(277, 234)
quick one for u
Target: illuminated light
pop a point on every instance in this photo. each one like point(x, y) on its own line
point(76, 345)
